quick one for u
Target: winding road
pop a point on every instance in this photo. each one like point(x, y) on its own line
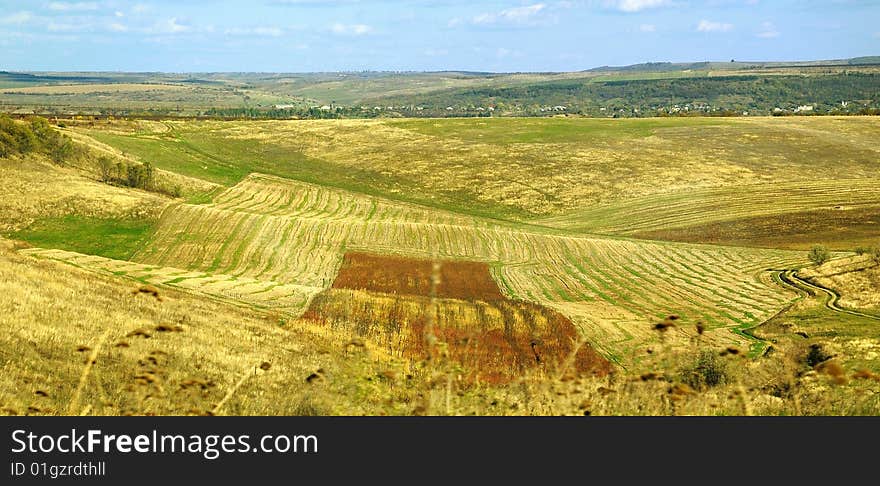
point(791, 279)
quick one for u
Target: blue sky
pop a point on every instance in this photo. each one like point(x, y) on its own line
point(477, 35)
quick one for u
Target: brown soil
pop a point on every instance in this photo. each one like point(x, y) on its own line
point(493, 339)
point(402, 275)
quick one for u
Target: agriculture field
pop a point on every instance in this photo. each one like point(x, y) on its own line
point(286, 233)
point(520, 169)
point(502, 248)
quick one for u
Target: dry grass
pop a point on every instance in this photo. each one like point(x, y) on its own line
point(180, 355)
point(79, 89)
point(271, 229)
point(633, 159)
point(32, 188)
point(54, 315)
point(856, 279)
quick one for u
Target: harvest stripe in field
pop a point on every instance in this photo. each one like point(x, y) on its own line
point(291, 233)
point(273, 242)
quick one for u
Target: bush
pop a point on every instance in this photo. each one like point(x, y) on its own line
point(34, 135)
point(816, 355)
point(707, 370)
point(819, 255)
point(108, 169)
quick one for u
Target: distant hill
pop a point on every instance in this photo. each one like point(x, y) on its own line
point(734, 65)
point(838, 86)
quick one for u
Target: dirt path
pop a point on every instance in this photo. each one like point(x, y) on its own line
point(791, 279)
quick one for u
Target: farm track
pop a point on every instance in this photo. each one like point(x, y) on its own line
point(275, 242)
point(791, 278)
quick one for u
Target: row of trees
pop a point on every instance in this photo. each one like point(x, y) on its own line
point(36, 135)
point(115, 172)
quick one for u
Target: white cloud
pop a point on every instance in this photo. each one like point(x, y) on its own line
point(117, 27)
point(637, 5)
point(73, 6)
point(65, 27)
point(172, 26)
point(647, 28)
point(768, 31)
point(16, 18)
point(710, 26)
point(515, 15)
point(119, 14)
point(256, 31)
point(351, 29)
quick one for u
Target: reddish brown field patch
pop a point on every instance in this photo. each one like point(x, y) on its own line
point(402, 275)
point(492, 338)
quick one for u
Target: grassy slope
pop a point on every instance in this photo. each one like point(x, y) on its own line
point(107, 237)
point(516, 168)
point(63, 207)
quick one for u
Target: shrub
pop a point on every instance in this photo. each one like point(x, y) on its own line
point(140, 176)
point(34, 135)
point(706, 371)
point(816, 355)
point(819, 255)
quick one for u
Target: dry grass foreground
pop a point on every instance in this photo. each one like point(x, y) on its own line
point(74, 342)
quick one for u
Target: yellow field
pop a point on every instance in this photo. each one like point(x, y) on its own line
point(79, 89)
point(567, 215)
point(697, 206)
point(275, 242)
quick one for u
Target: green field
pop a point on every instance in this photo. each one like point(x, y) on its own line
point(111, 238)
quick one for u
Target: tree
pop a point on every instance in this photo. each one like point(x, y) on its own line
point(819, 255)
point(107, 168)
point(140, 176)
point(60, 149)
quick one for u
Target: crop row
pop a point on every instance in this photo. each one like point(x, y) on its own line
point(288, 232)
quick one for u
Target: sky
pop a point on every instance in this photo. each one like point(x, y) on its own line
point(424, 35)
